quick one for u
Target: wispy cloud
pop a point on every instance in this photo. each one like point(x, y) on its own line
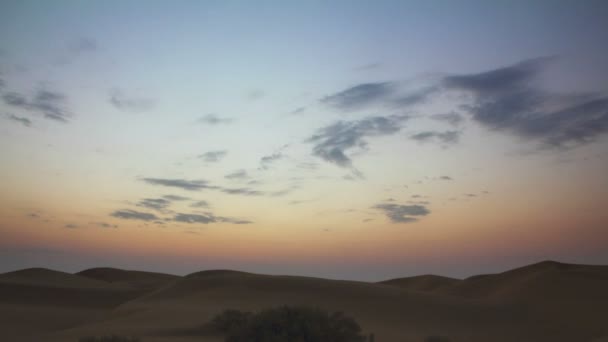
point(508, 99)
point(331, 143)
point(131, 103)
point(451, 118)
point(200, 204)
point(446, 138)
point(46, 102)
point(154, 203)
point(213, 156)
point(212, 119)
point(134, 215)
point(190, 185)
point(402, 213)
point(360, 96)
point(237, 175)
point(24, 121)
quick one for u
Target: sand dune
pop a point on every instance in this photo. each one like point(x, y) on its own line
point(543, 302)
point(136, 279)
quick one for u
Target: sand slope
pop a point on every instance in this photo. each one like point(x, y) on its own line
point(542, 302)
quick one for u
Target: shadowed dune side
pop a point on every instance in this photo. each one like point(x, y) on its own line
point(423, 283)
point(34, 301)
point(392, 313)
point(135, 279)
point(549, 301)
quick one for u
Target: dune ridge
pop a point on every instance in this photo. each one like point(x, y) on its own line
point(547, 301)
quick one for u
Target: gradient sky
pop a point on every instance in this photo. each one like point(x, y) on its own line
point(343, 139)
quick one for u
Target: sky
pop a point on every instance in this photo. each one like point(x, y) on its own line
point(359, 140)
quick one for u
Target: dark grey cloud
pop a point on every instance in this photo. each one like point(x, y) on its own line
point(212, 119)
point(134, 215)
point(130, 103)
point(452, 118)
point(15, 99)
point(176, 198)
point(200, 204)
point(446, 138)
point(48, 103)
point(213, 156)
point(331, 143)
point(360, 95)
point(402, 213)
point(71, 226)
point(237, 175)
point(154, 203)
point(24, 121)
point(190, 185)
point(446, 178)
point(508, 99)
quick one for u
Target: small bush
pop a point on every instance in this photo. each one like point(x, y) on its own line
point(109, 338)
point(230, 321)
point(288, 324)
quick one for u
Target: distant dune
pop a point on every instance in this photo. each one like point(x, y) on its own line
point(548, 301)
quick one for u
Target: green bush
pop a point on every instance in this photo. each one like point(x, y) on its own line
point(109, 338)
point(288, 324)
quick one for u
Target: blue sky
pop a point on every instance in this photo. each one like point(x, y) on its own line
point(325, 134)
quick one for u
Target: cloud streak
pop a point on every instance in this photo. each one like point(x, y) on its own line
point(402, 213)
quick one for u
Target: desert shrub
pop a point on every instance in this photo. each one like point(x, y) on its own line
point(290, 324)
point(436, 338)
point(230, 321)
point(109, 338)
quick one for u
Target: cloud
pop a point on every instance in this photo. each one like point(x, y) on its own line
point(123, 102)
point(299, 110)
point(369, 66)
point(176, 198)
point(265, 161)
point(331, 143)
point(446, 178)
point(194, 218)
point(212, 119)
point(200, 204)
point(238, 174)
point(134, 215)
point(190, 185)
point(414, 97)
point(154, 203)
point(24, 121)
point(82, 44)
point(105, 225)
point(447, 137)
point(207, 218)
point(402, 213)
point(452, 118)
point(359, 96)
point(48, 103)
point(508, 99)
point(71, 226)
point(213, 156)
point(242, 191)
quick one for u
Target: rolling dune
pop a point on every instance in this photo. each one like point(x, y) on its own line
point(548, 301)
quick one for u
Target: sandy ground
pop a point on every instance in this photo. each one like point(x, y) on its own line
point(548, 301)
